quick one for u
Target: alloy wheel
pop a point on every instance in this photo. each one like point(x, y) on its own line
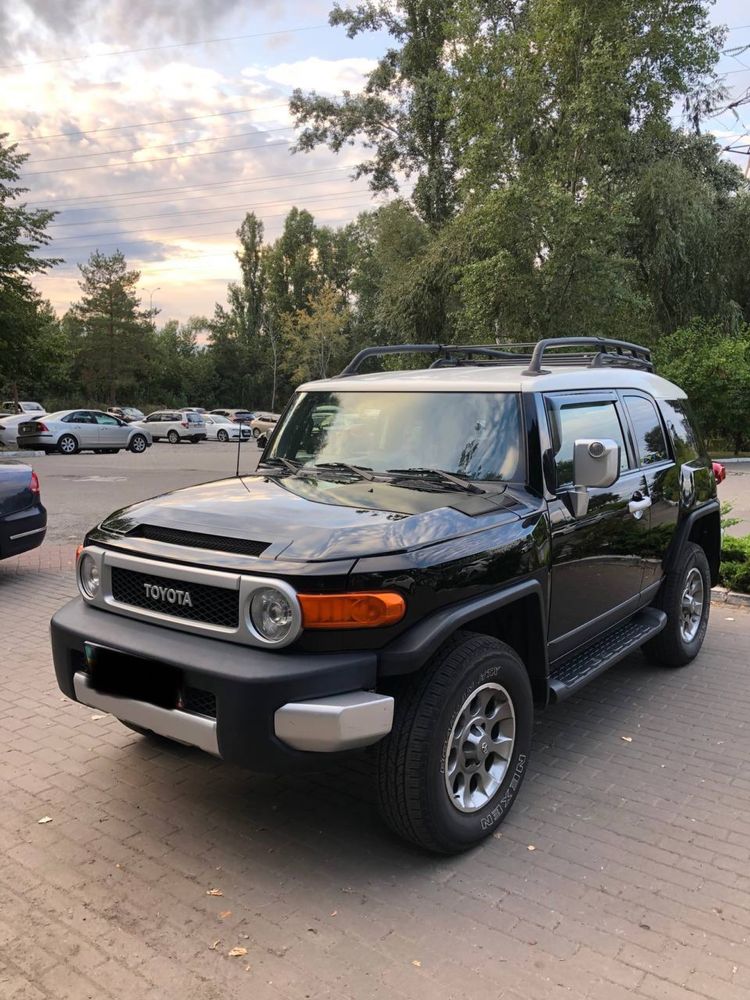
point(691, 608)
point(479, 748)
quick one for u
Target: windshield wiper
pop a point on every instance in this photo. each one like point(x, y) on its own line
point(355, 470)
point(288, 464)
point(441, 476)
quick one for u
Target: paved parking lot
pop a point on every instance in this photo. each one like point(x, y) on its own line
point(78, 490)
point(158, 861)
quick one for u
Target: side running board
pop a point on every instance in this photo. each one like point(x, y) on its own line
point(586, 664)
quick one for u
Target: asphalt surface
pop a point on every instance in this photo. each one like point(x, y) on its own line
point(79, 490)
point(735, 490)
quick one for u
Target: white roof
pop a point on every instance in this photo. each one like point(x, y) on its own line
point(499, 378)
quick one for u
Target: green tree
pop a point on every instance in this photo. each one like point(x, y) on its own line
point(713, 367)
point(22, 235)
point(316, 336)
point(405, 113)
point(114, 336)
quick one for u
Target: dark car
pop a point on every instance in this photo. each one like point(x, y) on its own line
point(421, 558)
point(23, 519)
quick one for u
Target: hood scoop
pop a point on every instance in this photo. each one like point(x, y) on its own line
point(199, 540)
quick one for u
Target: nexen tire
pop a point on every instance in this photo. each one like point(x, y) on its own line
point(412, 791)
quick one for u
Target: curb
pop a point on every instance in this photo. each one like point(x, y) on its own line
point(21, 454)
point(723, 596)
point(731, 461)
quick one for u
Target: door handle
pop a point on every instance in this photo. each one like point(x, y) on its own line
point(638, 505)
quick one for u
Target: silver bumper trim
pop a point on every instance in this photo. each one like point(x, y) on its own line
point(25, 534)
point(195, 730)
point(339, 722)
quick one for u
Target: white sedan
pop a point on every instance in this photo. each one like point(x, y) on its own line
point(220, 428)
point(9, 428)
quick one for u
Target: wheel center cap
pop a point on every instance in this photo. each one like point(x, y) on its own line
point(484, 746)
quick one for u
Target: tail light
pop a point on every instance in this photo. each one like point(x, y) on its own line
point(183, 423)
point(720, 472)
point(41, 427)
point(34, 484)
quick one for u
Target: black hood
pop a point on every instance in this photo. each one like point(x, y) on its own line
point(317, 519)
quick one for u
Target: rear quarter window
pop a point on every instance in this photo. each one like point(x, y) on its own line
point(683, 431)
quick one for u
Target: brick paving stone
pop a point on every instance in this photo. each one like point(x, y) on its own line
point(638, 887)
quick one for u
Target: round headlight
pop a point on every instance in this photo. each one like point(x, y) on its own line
point(88, 574)
point(273, 615)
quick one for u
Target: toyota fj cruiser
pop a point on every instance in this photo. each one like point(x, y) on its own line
point(421, 557)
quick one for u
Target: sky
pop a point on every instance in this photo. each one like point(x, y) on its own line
point(160, 151)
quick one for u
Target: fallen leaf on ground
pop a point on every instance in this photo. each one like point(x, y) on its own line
point(95, 718)
point(628, 739)
point(215, 945)
point(224, 914)
point(334, 913)
point(729, 619)
point(214, 892)
point(531, 847)
point(237, 952)
point(417, 963)
point(45, 819)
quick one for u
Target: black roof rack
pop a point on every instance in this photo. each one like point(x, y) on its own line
point(598, 352)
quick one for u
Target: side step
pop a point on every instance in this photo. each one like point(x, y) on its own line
point(585, 664)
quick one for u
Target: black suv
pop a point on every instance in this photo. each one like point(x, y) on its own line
point(421, 557)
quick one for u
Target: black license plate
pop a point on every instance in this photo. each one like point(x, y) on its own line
point(111, 671)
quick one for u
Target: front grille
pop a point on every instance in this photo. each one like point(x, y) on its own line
point(212, 605)
point(199, 702)
point(199, 540)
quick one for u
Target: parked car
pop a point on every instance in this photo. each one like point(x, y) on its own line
point(219, 428)
point(9, 406)
point(237, 416)
point(263, 423)
point(194, 409)
point(71, 431)
point(174, 426)
point(451, 547)
point(127, 413)
point(9, 424)
point(23, 519)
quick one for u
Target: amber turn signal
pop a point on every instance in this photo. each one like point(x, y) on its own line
point(356, 610)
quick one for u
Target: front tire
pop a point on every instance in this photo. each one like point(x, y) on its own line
point(256, 432)
point(173, 437)
point(222, 436)
point(138, 444)
point(685, 596)
point(67, 445)
point(450, 770)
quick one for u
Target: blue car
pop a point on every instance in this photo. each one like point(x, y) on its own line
point(23, 519)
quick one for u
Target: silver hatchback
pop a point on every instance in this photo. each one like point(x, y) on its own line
point(71, 431)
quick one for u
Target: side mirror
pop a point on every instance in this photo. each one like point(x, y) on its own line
point(596, 463)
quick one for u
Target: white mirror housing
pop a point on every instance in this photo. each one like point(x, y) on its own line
point(596, 462)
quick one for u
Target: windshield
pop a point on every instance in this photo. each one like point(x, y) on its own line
point(471, 434)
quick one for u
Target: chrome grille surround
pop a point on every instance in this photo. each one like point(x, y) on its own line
point(183, 576)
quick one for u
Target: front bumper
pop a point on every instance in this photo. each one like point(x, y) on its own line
point(273, 710)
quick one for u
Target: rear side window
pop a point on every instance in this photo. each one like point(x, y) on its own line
point(680, 422)
point(194, 418)
point(649, 435)
point(571, 421)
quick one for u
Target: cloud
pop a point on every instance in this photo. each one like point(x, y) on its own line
point(29, 27)
point(326, 76)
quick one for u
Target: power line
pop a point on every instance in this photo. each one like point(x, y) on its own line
point(161, 145)
point(164, 121)
point(201, 211)
point(181, 187)
point(153, 159)
point(87, 248)
point(157, 48)
point(150, 229)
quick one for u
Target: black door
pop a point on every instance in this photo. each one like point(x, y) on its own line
point(597, 559)
point(661, 477)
